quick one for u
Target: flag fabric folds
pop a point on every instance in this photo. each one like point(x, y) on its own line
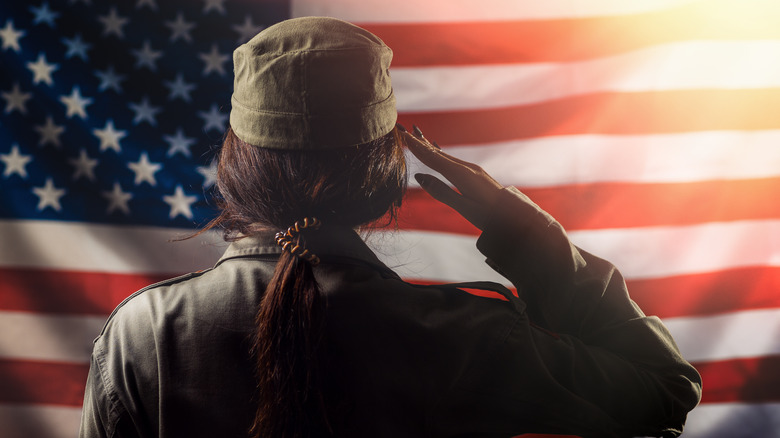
point(649, 129)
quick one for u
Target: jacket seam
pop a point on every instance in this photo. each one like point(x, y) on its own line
point(115, 406)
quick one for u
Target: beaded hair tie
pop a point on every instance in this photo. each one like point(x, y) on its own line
point(285, 238)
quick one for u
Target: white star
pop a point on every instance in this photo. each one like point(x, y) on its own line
point(15, 162)
point(117, 200)
point(109, 79)
point(109, 138)
point(50, 133)
point(216, 5)
point(42, 70)
point(76, 104)
point(43, 14)
point(180, 203)
point(144, 112)
point(16, 100)
point(49, 196)
point(248, 30)
point(213, 118)
point(146, 57)
point(11, 36)
point(179, 143)
point(179, 88)
point(76, 47)
point(112, 23)
point(214, 61)
point(180, 28)
point(84, 166)
point(209, 174)
point(144, 170)
point(151, 3)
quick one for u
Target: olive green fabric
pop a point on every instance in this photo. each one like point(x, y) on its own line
point(312, 83)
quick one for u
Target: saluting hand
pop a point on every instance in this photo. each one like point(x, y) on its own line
point(477, 189)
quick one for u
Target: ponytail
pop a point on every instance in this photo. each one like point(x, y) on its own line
point(286, 346)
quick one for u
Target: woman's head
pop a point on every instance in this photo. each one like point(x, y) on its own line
point(312, 129)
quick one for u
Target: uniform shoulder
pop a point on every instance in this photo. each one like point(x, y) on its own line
point(149, 297)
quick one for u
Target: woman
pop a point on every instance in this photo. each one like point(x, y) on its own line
point(300, 331)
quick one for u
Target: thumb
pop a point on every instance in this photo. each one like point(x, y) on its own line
point(443, 193)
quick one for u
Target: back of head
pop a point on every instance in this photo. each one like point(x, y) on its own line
point(312, 128)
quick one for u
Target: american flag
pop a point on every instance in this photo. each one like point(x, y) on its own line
point(649, 128)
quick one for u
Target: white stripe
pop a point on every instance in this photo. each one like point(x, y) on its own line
point(678, 66)
point(660, 158)
point(733, 420)
point(654, 252)
point(734, 335)
point(27, 421)
point(31, 336)
point(104, 248)
point(432, 256)
point(407, 11)
point(638, 252)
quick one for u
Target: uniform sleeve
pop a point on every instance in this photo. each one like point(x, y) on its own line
point(581, 348)
point(103, 414)
point(96, 409)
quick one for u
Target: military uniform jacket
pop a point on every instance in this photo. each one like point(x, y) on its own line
point(570, 354)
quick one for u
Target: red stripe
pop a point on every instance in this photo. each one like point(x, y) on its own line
point(420, 211)
point(469, 290)
point(625, 205)
point(47, 291)
point(750, 380)
point(694, 295)
point(486, 293)
point(42, 382)
point(618, 205)
point(709, 293)
point(633, 113)
point(464, 43)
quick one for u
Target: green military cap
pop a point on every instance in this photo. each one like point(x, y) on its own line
point(312, 83)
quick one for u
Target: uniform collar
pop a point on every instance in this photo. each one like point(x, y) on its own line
point(330, 244)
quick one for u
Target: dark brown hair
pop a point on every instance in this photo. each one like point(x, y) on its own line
point(260, 188)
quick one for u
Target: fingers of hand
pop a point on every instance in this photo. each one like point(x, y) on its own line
point(437, 188)
point(440, 190)
point(470, 179)
point(457, 171)
point(433, 147)
point(443, 193)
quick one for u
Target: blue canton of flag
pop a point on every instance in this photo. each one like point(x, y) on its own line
point(110, 111)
